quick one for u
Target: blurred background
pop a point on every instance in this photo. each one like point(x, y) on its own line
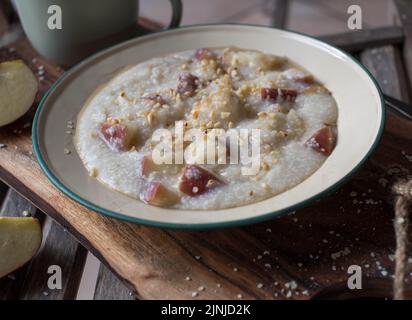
point(315, 17)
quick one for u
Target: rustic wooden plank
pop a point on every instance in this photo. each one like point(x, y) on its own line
point(15, 205)
point(3, 191)
point(109, 287)
point(257, 261)
point(60, 249)
point(385, 63)
point(279, 9)
point(362, 39)
point(405, 14)
point(3, 23)
point(26, 282)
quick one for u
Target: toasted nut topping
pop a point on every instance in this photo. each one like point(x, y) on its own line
point(93, 172)
point(225, 115)
point(150, 118)
point(265, 166)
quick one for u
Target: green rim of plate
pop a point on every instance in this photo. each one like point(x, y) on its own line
point(197, 226)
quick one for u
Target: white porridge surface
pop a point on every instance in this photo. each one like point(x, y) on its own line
point(208, 89)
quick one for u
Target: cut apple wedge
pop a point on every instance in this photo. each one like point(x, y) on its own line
point(147, 166)
point(118, 137)
point(18, 88)
point(196, 180)
point(156, 194)
point(20, 239)
point(278, 95)
point(323, 141)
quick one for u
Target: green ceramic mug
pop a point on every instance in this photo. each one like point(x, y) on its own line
point(66, 31)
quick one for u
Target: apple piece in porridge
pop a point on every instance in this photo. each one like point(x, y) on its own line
point(196, 180)
point(156, 194)
point(118, 137)
point(322, 141)
point(278, 95)
point(187, 83)
point(204, 53)
point(147, 166)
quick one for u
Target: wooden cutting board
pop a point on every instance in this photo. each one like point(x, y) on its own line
point(300, 256)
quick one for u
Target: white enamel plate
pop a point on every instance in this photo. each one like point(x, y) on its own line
point(360, 123)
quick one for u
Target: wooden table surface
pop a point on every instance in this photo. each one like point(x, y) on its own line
point(300, 256)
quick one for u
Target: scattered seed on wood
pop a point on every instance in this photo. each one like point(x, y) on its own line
point(26, 213)
point(11, 277)
point(291, 285)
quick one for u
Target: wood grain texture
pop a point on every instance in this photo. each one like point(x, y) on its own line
point(109, 287)
point(386, 65)
point(299, 256)
point(60, 249)
point(358, 40)
point(405, 16)
point(3, 191)
point(14, 205)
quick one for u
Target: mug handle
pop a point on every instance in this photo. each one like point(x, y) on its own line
point(177, 10)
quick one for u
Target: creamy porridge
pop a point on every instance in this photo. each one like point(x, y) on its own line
point(209, 89)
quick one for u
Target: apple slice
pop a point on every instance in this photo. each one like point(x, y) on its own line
point(323, 141)
point(278, 95)
point(187, 83)
point(147, 166)
point(204, 53)
point(196, 180)
point(118, 137)
point(20, 239)
point(18, 88)
point(156, 194)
